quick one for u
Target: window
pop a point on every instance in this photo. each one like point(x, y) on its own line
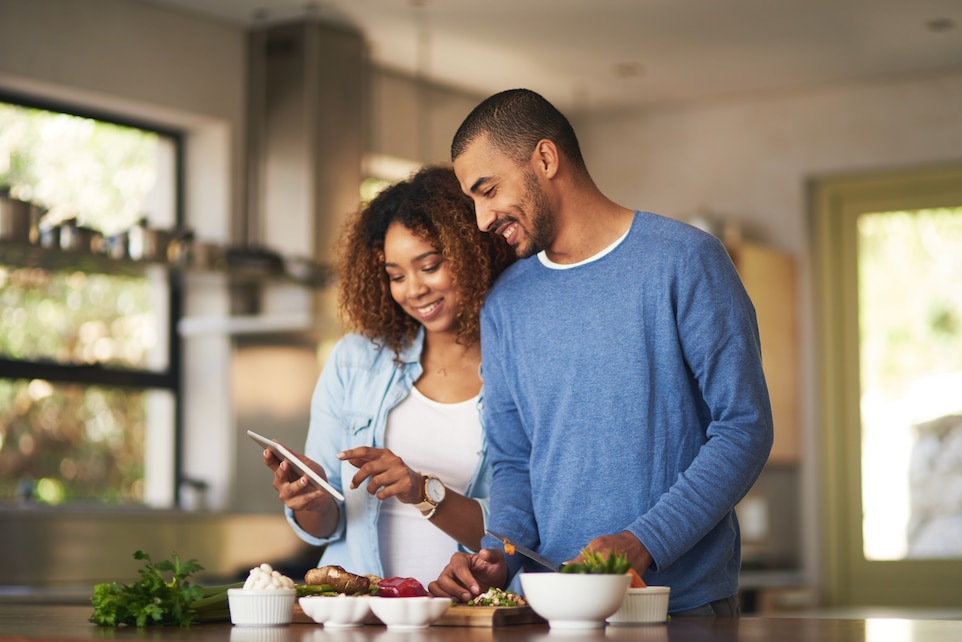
point(88, 357)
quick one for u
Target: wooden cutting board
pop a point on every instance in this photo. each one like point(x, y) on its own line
point(300, 616)
point(462, 615)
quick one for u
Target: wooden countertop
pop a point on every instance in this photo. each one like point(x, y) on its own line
point(23, 622)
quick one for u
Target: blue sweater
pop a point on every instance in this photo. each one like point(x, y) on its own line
point(627, 393)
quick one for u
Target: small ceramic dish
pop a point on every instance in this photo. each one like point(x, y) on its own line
point(339, 611)
point(407, 613)
point(643, 606)
point(261, 607)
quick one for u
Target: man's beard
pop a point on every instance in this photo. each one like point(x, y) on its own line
point(540, 219)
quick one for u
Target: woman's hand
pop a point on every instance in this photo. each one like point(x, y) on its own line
point(387, 474)
point(294, 489)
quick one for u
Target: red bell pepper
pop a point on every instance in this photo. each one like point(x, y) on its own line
point(401, 587)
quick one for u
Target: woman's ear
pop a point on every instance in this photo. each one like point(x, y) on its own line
point(545, 158)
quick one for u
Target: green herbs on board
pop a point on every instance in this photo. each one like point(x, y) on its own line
point(497, 597)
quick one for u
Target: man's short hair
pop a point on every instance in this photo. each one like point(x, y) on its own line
point(514, 121)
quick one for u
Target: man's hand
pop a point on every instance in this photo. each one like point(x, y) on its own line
point(469, 575)
point(623, 542)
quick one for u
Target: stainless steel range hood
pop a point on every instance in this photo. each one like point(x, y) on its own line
point(305, 135)
point(306, 119)
point(305, 140)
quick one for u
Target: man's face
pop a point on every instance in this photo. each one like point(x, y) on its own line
point(507, 198)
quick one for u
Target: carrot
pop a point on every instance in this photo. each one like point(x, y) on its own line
point(636, 581)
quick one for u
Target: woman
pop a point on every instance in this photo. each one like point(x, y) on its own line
point(395, 422)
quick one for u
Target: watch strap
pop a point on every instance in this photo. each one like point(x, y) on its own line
point(429, 506)
point(426, 504)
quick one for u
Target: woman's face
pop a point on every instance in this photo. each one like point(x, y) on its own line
point(420, 279)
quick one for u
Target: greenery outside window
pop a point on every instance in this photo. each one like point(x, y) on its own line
point(89, 380)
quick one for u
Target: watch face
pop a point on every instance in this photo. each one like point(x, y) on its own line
point(434, 489)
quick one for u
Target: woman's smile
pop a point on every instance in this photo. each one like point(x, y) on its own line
point(426, 310)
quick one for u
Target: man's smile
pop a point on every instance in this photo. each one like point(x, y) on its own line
point(508, 230)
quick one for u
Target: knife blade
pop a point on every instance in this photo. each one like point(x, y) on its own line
point(527, 552)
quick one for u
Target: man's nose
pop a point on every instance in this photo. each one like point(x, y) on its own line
point(486, 219)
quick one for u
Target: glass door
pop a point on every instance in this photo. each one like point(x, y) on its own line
point(910, 365)
point(889, 299)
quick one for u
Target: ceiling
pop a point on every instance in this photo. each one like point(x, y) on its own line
point(606, 54)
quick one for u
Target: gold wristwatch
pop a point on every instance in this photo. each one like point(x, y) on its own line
point(434, 492)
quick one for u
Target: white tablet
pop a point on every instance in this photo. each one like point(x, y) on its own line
point(283, 453)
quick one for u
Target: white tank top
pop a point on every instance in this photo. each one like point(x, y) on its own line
point(443, 439)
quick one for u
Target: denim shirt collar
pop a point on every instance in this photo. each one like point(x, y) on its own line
point(412, 353)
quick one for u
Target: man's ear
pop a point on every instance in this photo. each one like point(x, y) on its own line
point(545, 158)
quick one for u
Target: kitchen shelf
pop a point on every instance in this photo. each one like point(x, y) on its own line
point(243, 270)
point(54, 260)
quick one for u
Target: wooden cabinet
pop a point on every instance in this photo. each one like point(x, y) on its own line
point(769, 277)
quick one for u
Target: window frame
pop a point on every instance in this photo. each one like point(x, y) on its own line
point(171, 379)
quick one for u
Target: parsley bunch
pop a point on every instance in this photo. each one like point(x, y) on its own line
point(152, 600)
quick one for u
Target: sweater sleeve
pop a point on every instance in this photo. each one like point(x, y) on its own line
point(718, 334)
point(510, 448)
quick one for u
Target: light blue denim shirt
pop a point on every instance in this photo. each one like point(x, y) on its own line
point(358, 387)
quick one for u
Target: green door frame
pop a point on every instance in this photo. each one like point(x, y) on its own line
point(849, 579)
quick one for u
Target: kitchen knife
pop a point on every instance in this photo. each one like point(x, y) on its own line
point(527, 552)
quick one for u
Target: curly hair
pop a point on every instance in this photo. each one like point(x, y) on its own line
point(432, 206)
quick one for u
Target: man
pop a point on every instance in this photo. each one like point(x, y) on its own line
point(624, 397)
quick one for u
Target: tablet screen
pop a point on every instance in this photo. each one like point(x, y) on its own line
point(283, 453)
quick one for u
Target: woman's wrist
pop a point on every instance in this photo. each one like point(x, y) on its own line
point(320, 521)
point(433, 492)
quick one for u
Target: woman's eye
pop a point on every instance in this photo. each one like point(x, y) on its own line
point(432, 268)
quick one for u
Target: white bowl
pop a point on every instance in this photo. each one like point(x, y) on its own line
point(409, 612)
point(642, 605)
point(261, 607)
point(336, 611)
point(574, 600)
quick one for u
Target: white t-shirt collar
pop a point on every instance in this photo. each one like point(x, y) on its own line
point(548, 263)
